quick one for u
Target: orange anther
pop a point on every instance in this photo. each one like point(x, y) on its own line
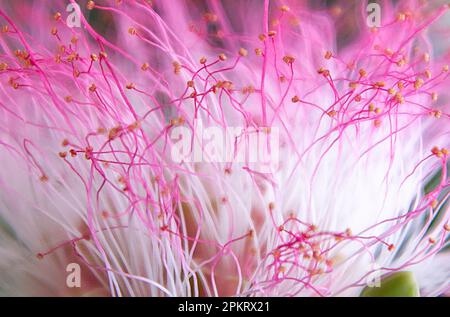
point(90, 5)
point(288, 59)
point(243, 52)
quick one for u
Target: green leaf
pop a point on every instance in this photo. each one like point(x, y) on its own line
point(399, 284)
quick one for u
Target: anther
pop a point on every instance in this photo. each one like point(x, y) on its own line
point(353, 85)
point(164, 228)
point(94, 57)
point(258, 51)
point(222, 57)
point(132, 31)
point(399, 98)
point(288, 59)
point(203, 60)
point(57, 16)
point(62, 154)
point(210, 17)
point(435, 150)
point(436, 113)
point(145, 66)
point(92, 88)
point(130, 86)
point(276, 254)
point(272, 33)
point(284, 8)
point(391, 247)
point(418, 83)
point(88, 152)
point(133, 126)
point(90, 5)
point(177, 121)
point(434, 96)
point(401, 62)
point(434, 203)
point(295, 99)
point(114, 132)
point(328, 55)
point(54, 31)
point(362, 72)
point(332, 113)
point(323, 71)
point(176, 67)
point(72, 57)
point(248, 90)
point(243, 52)
point(401, 16)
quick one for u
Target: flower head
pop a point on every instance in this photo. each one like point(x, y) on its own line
point(355, 130)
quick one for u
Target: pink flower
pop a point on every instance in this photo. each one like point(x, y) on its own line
point(91, 115)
